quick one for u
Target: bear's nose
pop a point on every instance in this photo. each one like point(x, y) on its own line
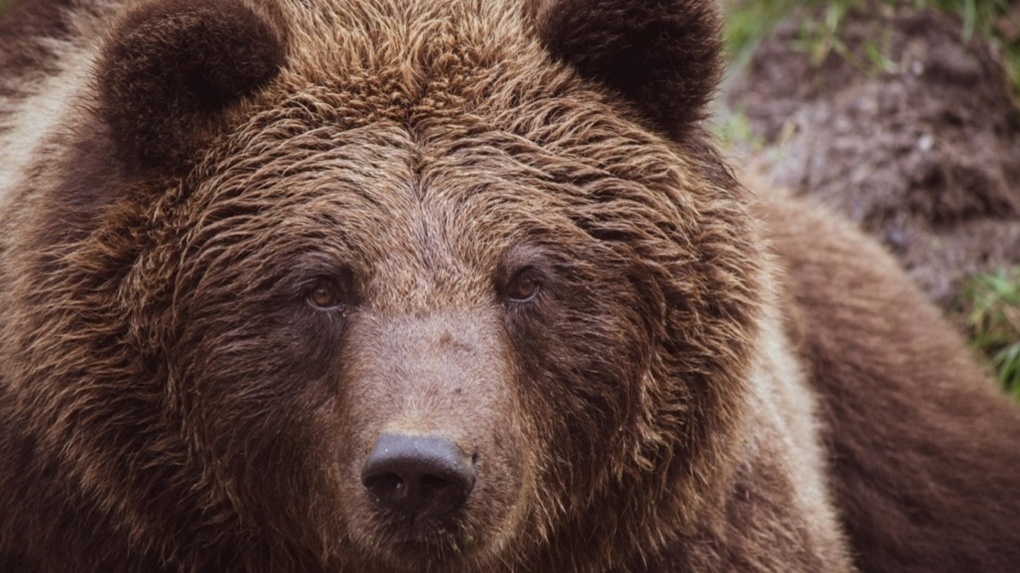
point(422, 475)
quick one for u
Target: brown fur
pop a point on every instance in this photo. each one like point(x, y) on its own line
point(922, 446)
point(174, 67)
point(664, 56)
point(22, 24)
point(170, 401)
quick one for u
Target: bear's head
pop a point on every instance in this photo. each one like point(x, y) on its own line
point(398, 285)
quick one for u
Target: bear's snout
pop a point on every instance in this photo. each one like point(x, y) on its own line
point(419, 475)
point(435, 449)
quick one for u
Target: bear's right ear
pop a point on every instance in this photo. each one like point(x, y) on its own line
point(172, 66)
point(663, 55)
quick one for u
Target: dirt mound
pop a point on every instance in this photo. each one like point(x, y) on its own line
point(907, 128)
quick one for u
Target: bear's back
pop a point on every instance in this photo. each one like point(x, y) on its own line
point(921, 445)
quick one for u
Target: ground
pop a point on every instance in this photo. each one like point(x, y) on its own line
point(902, 120)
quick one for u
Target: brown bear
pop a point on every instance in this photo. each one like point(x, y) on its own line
point(449, 286)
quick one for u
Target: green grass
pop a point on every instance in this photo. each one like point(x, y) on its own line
point(992, 306)
point(748, 21)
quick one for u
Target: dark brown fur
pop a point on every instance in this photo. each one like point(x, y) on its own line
point(22, 23)
point(921, 444)
point(171, 401)
point(664, 56)
point(174, 67)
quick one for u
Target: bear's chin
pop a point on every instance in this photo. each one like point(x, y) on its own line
point(437, 549)
point(420, 543)
point(417, 532)
point(440, 549)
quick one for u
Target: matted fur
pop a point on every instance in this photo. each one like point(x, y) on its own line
point(170, 401)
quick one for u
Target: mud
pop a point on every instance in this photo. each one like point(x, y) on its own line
point(908, 128)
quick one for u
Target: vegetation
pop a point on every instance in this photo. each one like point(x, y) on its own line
point(990, 304)
point(992, 307)
point(747, 21)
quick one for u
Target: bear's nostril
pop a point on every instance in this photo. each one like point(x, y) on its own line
point(386, 486)
point(433, 484)
point(422, 475)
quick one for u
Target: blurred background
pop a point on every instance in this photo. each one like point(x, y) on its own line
point(903, 116)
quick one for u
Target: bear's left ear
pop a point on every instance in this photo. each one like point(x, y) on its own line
point(664, 55)
point(171, 67)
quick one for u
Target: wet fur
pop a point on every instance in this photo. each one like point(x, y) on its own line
point(684, 395)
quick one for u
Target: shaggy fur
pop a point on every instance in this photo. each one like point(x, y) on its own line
point(664, 56)
point(922, 447)
point(262, 234)
point(22, 26)
point(174, 67)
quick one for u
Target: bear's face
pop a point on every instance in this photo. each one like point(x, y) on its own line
point(414, 280)
point(392, 289)
point(413, 293)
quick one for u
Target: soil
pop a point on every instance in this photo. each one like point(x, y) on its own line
point(906, 127)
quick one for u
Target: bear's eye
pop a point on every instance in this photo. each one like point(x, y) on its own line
point(524, 287)
point(323, 294)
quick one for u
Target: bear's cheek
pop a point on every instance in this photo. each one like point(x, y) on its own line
point(430, 400)
point(256, 392)
point(584, 358)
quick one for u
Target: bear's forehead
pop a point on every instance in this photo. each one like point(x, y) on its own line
point(461, 85)
point(429, 204)
point(440, 100)
point(426, 138)
point(399, 58)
